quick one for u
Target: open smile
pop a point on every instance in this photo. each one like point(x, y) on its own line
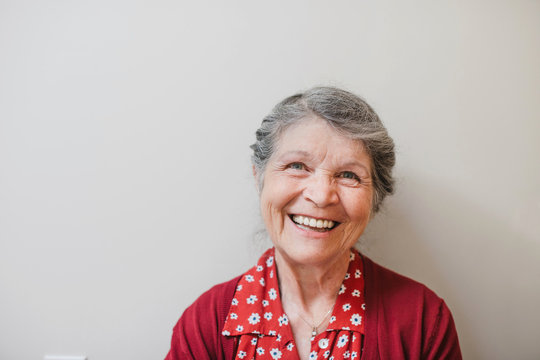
point(313, 224)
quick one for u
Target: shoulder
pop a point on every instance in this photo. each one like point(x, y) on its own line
point(218, 298)
point(208, 312)
point(408, 315)
point(393, 287)
point(197, 335)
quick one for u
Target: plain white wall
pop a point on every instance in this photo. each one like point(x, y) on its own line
point(125, 183)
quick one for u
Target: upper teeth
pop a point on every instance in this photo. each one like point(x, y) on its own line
point(318, 223)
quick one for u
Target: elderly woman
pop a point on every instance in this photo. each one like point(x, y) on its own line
point(323, 166)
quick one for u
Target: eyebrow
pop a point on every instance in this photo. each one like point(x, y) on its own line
point(295, 152)
point(308, 155)
point(356, 163)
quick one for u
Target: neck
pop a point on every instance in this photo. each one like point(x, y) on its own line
point(310, 290)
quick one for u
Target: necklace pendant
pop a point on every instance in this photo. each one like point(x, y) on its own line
point(314, 332)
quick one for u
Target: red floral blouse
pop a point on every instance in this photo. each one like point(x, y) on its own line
point(257, 318)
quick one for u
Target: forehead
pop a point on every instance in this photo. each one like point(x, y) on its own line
point(316, 137)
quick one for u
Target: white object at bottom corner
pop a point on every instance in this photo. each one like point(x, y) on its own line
point(64, 357)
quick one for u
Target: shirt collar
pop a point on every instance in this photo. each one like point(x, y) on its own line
point(350, 307)
point(256, 306)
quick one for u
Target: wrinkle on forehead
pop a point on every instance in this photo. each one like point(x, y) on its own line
point(325, 128)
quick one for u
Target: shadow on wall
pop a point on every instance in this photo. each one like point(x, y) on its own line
point(483, 266)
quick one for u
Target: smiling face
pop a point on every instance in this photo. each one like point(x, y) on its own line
point(317, 193)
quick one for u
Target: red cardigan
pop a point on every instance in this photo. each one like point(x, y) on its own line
point(404, 320)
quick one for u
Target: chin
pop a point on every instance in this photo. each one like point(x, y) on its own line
point(309, 254)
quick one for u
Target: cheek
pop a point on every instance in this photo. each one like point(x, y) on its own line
point(358, 213)
point(276, 195)
point(362, 212)
point(358, 208)
point(269, 210)
point(271, 206)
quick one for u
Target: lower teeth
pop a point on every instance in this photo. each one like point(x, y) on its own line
point(312, 228)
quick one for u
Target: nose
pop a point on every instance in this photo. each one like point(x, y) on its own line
point(321, 190)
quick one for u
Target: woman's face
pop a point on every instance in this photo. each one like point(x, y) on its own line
point(321, 178)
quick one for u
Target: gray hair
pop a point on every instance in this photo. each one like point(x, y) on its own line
point(345, 112)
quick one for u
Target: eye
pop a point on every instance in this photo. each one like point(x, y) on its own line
point(349, 176)
point(296, 166)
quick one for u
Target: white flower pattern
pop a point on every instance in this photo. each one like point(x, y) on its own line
point(254, 318)
point(283, 320)
point(275, 353)
point(257, 319)
point(356, 319)
point(343, 339)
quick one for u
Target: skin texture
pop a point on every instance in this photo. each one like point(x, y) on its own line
point(317, 172)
